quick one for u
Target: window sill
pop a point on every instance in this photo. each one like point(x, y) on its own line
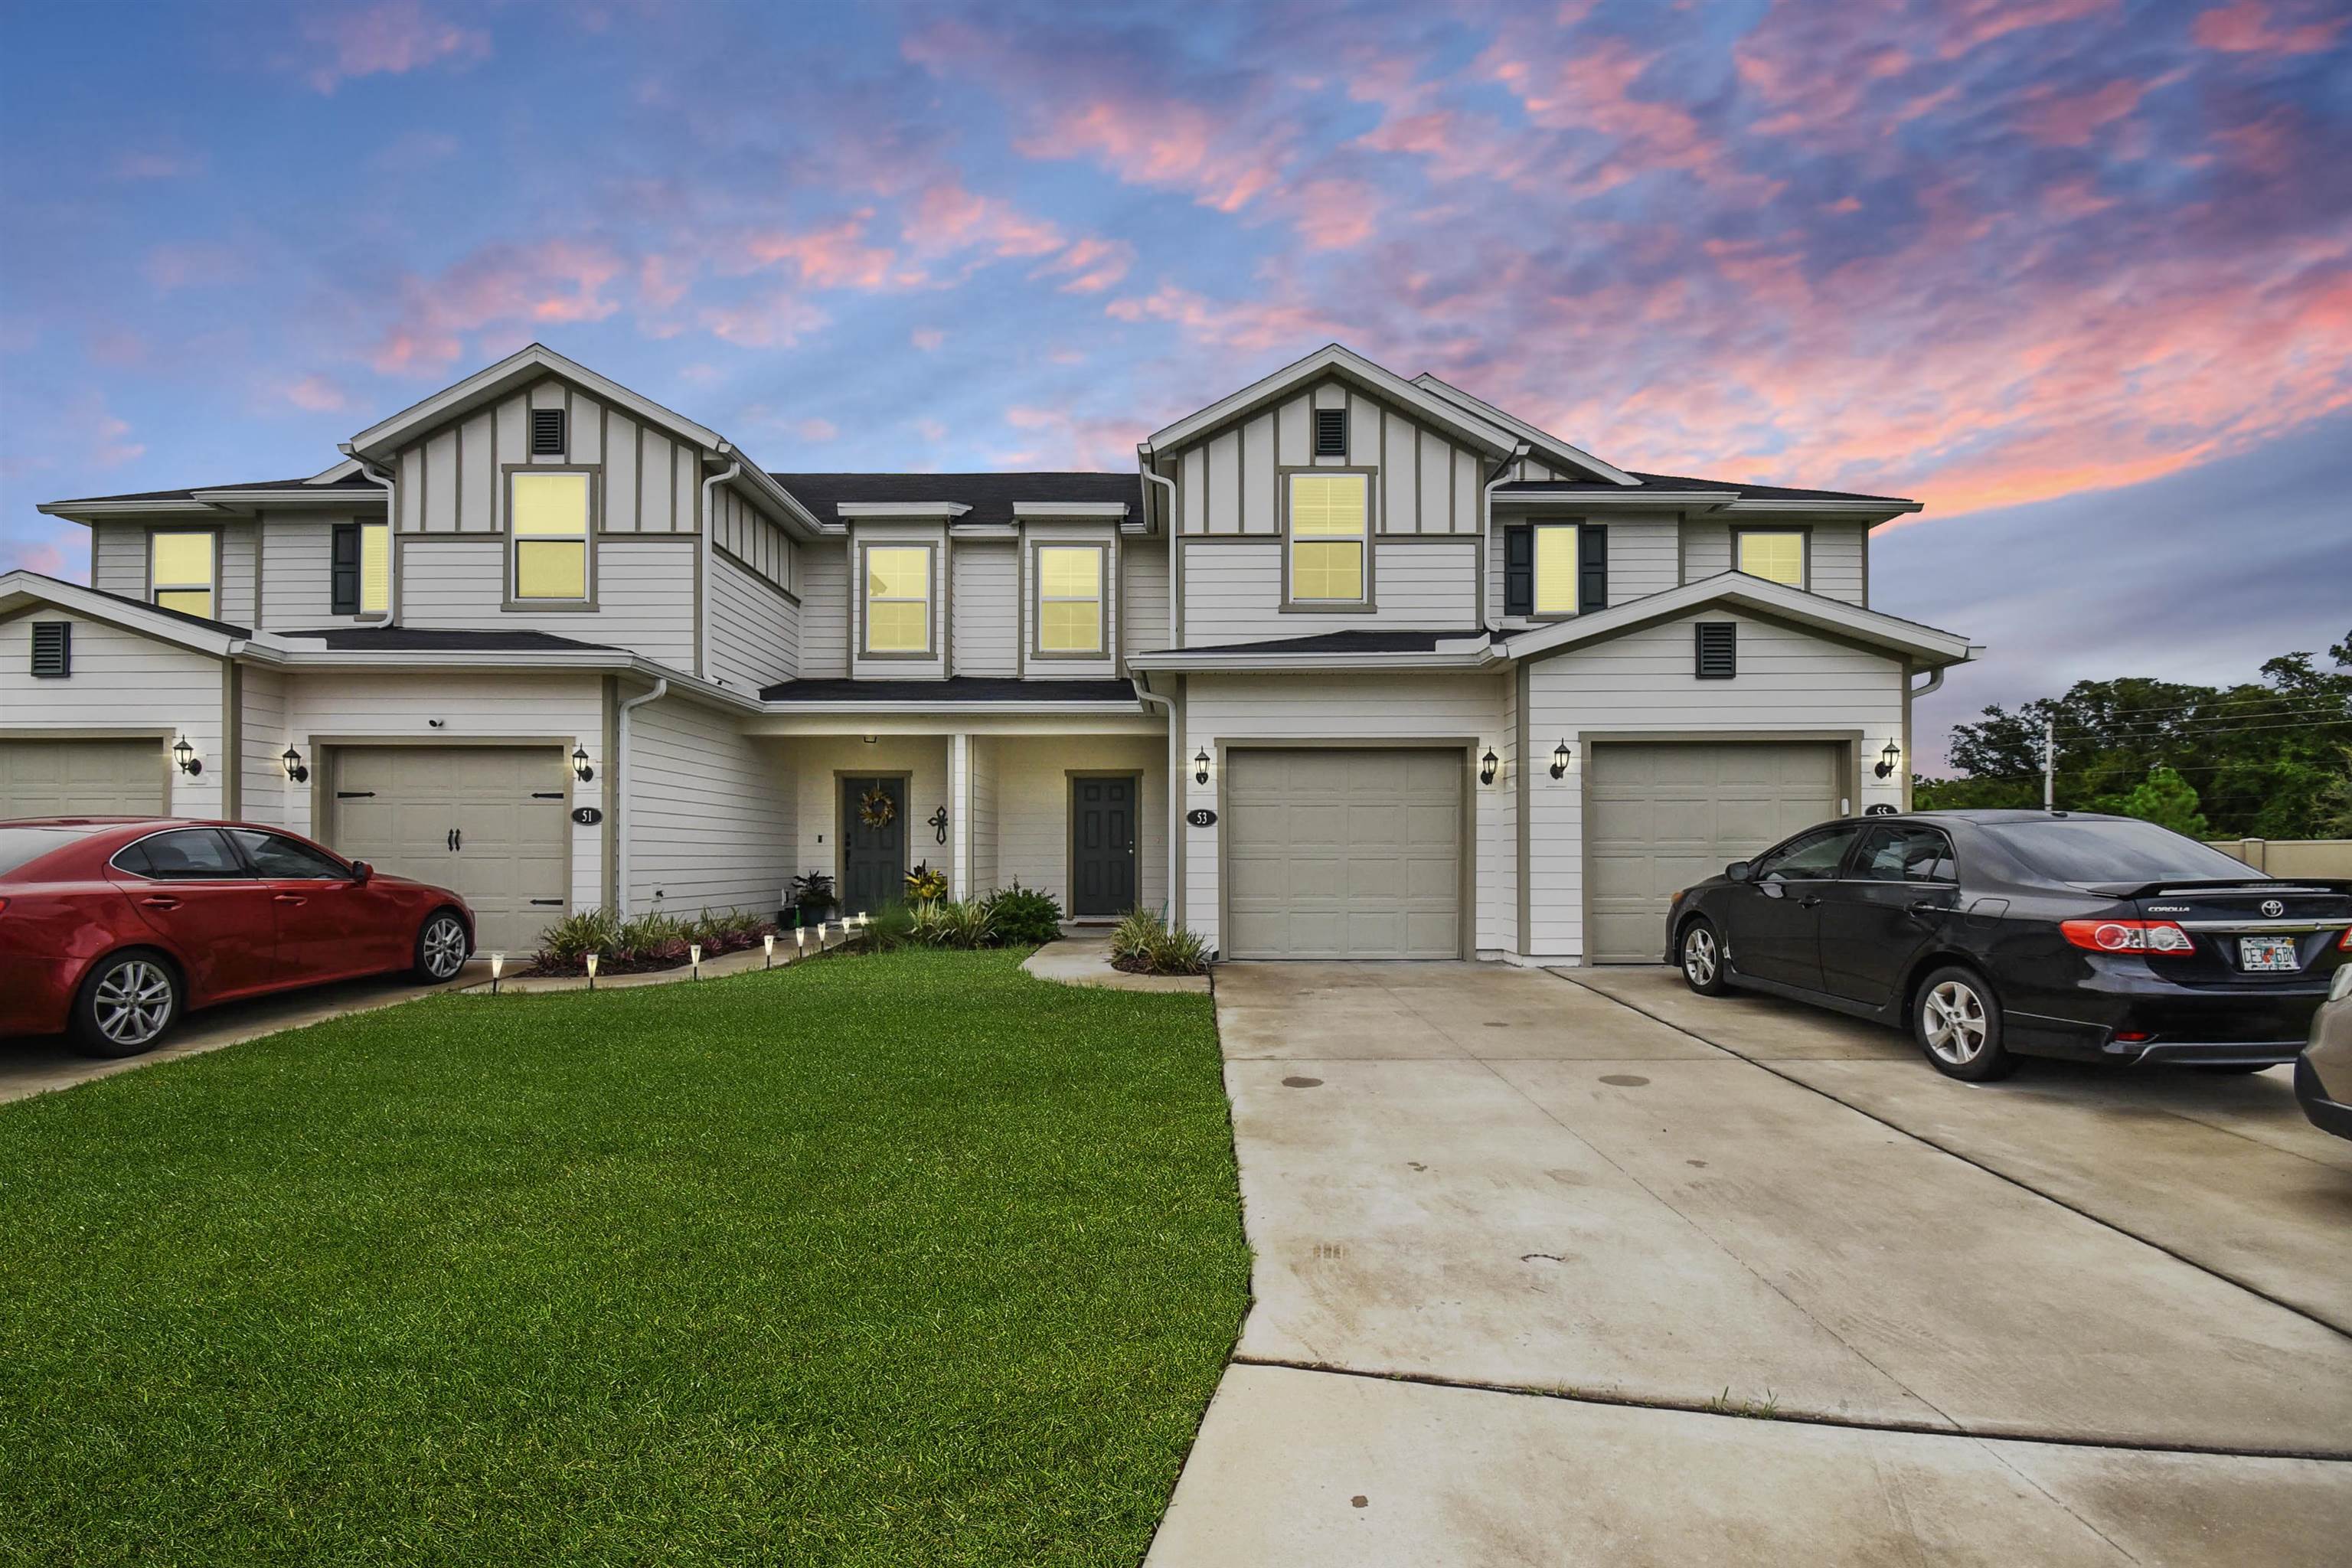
point(1328, 608)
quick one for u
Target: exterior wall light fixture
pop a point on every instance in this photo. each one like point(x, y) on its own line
point(291, 760)
point(1560, 758)
point(1889, 760)
point(580, 768)
point(185, 755)
point(1489, 766)
point(1201, 766)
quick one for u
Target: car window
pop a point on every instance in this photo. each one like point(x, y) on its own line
point(21, 845)
point(284, 859)
point(1812, 859)
point(2081, 849)
point(186, 855)
point(1907, 854)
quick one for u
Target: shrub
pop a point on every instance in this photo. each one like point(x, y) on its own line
point(891, 928)
point(564, 946)
point(1131, 939)
point(957, 922)
point(729, 933)
point(1143, 943)
point(1020, 916)
point(925, 886)
point(1179, 951)
point(648, 939)
point(810, 897)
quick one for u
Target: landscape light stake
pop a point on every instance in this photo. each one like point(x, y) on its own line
point(769, 941)
point(497, 962)
point(694, 958)
point(800, 942)
point(591, 972)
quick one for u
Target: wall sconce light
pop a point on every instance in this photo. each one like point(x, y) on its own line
point(1559, 760)
point(1489, 766)
point(185, 755)
point(291, 760)
point(497, 967)
point(1887, 760)
point(580, 768)
point(1201, 766)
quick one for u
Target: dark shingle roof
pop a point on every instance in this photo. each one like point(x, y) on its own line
point(421, 639)
point(224, 627)
point(1683, 483)
point(990, 496)
point(348, 482)
point(960, 689)
point(1340, 642)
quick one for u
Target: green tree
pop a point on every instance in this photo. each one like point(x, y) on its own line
point(2164, 798)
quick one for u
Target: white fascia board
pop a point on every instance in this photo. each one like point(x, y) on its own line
point(990, 719)
point(1544, 439)
point(1208, 660)
point(901, 510)
point(343, 470)
point(1440, 411)
point(985, 530)
point(76, 510)
point(1736, 590)
point(1684, 500)
point(522, 365)
point(369, 499)
point(762, 481)
point(1882, 509)
point(1075, 511)
point(945, 713)
point(21, 588)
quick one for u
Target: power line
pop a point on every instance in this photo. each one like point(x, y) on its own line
point(2204, 702)
point(2176, 767)
point(2192, 737)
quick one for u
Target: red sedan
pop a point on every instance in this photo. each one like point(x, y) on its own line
point(112, 928)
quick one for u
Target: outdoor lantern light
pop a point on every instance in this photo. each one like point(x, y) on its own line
point(497, 964)
point(185, 755)
point(1888, 758)
point(1201, 766)
point(1559, 759)
point(580, 768)
point(291, 760)
point(1489, 766)
point(591, 972)
point(769, 943)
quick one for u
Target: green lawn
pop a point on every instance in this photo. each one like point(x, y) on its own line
point(896, 1259)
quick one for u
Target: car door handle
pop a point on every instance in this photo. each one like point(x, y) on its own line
point(1926, 907)
point(289, 898)
point(161, 902)
point(1809, 901)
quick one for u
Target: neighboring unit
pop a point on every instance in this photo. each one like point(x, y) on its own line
point(1354, 666)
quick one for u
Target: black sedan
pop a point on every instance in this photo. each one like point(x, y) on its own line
point(1996, 934)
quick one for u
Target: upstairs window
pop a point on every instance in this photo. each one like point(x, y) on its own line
point(1069, 599)
point(1556, 574)
point(1330, 432)
point(360, 579)
point(547, 518)
point(1327, 518)
point(546, 433)
point(1775, 554)
point(1555, 568)
point(180, 569)
point(898, 599)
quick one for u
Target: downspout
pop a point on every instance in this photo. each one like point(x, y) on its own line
point(1486, 519)
point(1175, 619)
point(702, 577)
point(376, 475)
point(1935, 680)
point(1175, 739)
point(616, 768)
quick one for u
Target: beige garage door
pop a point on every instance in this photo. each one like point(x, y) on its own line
point(82, 778)
point(489, 822)
point(1343, 854)
point(1664, 817)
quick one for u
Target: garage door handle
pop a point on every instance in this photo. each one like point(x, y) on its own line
point(558, 902)
point(355, 795)
point(456, 839)
point(160, 903)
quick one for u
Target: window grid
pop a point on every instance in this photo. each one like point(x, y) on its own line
point(897, 599)
point(1328, 520)
point(1777, 555)
point(1069, 598)
point(180, 569)
point(1556, 568)
point(547, 514)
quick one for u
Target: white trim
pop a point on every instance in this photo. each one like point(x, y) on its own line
point(486, 385)
point(902, 511)
point(1324, 360)
point(75, 511)
point(1575, 455)
point(1929, 645)
point(20, 587)
point(1045, 511)
point(344, 496)
point(1684, 501)
point(1892, 506)
point(343, 470)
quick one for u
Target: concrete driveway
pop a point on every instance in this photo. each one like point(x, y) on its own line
point(1555, 1268)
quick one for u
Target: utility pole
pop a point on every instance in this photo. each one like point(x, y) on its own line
point(2050, 764)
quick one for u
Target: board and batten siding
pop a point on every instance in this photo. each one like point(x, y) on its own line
point(1382, 710)
point(1835, 555)
point(122, 683)
point(1643, 681)
point(1423, 482)
point(752, 537)
point(710, 810)
point(643, 591)
point(755, 629)
point(986, 588)
point(449, 479)
point(1233, 591)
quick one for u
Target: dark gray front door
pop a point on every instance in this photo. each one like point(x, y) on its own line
point(872, 859)
point(1102, 845)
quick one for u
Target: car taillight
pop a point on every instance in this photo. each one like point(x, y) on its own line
point(2128, 936)
point(2343, 946)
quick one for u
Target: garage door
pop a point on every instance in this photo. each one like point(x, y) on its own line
point(1344, 854)
point(81, 778)
point(1664, 817)
point(487, 821)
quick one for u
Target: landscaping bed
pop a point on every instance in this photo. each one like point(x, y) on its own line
point(903, 1258)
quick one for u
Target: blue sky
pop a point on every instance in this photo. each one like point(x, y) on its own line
point(2077, 273)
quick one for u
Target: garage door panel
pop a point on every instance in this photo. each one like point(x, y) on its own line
point(82, 778)
point(398, 807)
point(1343, 853)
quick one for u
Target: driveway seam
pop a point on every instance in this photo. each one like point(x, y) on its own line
point(1859, 1423)
point(2019, 1182)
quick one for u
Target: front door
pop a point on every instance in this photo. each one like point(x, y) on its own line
point(873, 854)
point(1102, 845)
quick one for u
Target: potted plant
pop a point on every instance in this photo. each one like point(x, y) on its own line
point(812, 898)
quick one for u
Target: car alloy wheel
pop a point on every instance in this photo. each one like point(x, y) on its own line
point(133, 1002)
point(1955, 1022)
point(444, 946)
point(1701, 959)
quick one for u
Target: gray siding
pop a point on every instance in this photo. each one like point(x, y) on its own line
point(118, 558)
point(1038, 666)
point(1233, 591)
point(1835, 558)
point(644, 592)
point(754, 627)
point(825, 609)
point(899, 667)
point(297, 590)
point(987, 589)
point(1643, 553)
point(449, 477)
point(122, 681)
point(1143, 565)
point(712, 813)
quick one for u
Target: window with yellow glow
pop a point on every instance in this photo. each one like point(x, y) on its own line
point(1069, 598)
point(1328, 515)
point(1555, 569)
point(548, 516)
point(897, 600)
point(375, 568)
point(1776, 555)
point(180, 569)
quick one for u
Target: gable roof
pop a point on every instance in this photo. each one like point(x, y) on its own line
point(1927, 647)
point(1334, 359)
point(517, 370)
point(22, 589)
point(1542, 441)
point(1730, 495)
point(992, 499)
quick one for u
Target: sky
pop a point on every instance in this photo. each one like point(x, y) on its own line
point(2078, 274)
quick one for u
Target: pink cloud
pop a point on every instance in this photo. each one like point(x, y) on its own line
point(195, 264)
point(1252, 326)
point(512, 290)
point(1333, 214)
point(947, 217)
point(316, 393)
point(2245, 29)
point(837, 256)
point(2066, 116)
point(1090, 266)
point(1062, 439)
point(390, 38)
point(775, 320)
point(926, 339)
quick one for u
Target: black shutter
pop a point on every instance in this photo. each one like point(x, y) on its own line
point(1330, 432)
point(52, 649)
point(343, 570)
point(547, 432)
point(1718, 650)
point(1592, 569)
point(1519, 570)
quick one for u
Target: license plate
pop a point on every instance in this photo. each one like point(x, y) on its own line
point(2267, 954)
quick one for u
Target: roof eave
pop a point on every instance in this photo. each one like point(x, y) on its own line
point(1553, 446)
point(493, 382)
point(1329, 359)
point(1927, 647)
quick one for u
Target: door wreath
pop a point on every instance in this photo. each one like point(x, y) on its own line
point(875, 809)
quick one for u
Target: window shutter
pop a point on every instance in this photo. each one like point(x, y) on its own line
point(1519, 571)
point(1330, 432)
point(52, 649)
point(343, 570)
point(1592, 569)
point(1717, 650)
point(547, 432)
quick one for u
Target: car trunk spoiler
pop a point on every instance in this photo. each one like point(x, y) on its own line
point(2256, 884)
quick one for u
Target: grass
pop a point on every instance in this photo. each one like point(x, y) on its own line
point(901, 1259)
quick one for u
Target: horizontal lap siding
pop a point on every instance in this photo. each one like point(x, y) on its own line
point(1233, 591)
point(644, 589)
point(824, 610)
point(122, 681)
point(1645, 553)
point(884, 535)
point(1144, 567)
point(297, 590)
point(118, 558)
point(1031, 811)
point(985, 608)
point(1835, 555)
point(261, 796)
point(712, 813)
point(812, 764)
point(755, 628)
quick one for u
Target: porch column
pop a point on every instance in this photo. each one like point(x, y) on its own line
point(960, 815)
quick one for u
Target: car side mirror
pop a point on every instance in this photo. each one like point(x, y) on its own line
point(361, 871)
point(1738, 872)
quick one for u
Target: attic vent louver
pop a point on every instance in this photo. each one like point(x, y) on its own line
point(1718, 645)
point(1330, 432)
point(52, 649)
point(547, 432)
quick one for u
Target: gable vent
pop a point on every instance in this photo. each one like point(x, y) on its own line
point(1330, 432)
point(52, 649)
point(1718, 650)
point(547, 432)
